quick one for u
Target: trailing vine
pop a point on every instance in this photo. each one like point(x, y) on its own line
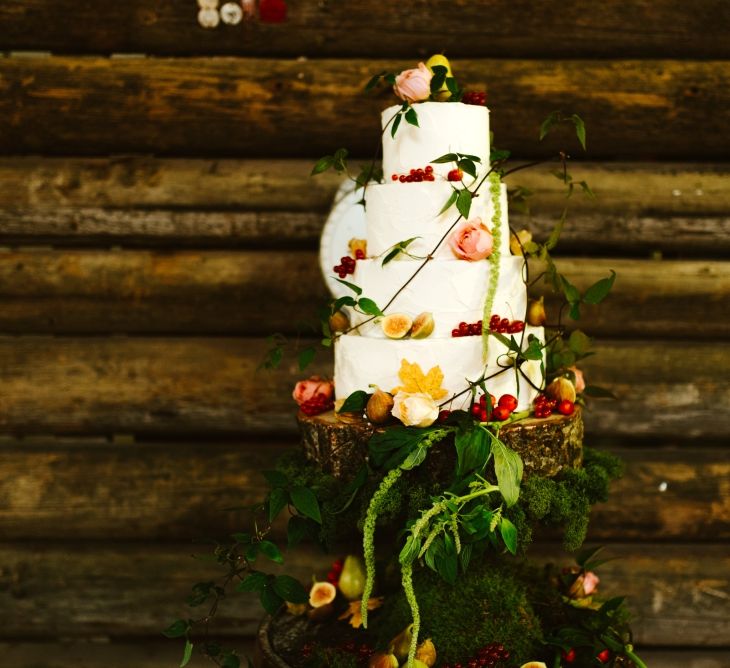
point(495, 189)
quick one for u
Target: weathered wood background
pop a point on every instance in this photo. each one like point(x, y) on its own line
point(154, 178)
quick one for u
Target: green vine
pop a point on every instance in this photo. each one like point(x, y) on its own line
point(495, 191)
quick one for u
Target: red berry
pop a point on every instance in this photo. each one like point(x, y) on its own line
point(360, 254)
point(483, 415)
point(566, 407)
point(394, 177)
point(402, 178)
point(500, 413)
point(503, 325)
point(428, 169)
point(568, 656)
point(454, 175)
point(494, 322)
point(603, 656)
point(412, 172)
point(443, 415)
point(429, 177)
point(418, 178)
point(455, 332)
point(508, 401)
point(409, 178)
point(476, 410)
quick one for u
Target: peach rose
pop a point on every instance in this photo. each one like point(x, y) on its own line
point(585, 584)
point(415, 409)
point(414, 85)
point(590, 582)
point(305, 390)
point(471, 240)
point(580, 383)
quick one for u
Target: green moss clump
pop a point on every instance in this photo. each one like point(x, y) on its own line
point(487, 604)
point(329, 657)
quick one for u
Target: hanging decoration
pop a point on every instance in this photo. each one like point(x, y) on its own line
point(232, 13)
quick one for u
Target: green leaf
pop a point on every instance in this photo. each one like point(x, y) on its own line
point(396, 123)
point(340, 160)
point(467, 166)
point(323, 164)
point(339, 303)
point(556, 232)
point(306, 357)
point(290, 589)
point(580, 129)
point(509, 534)
point(412, 117)
point(355, 288)
point(278, 500)
point(270, 550)
point(473, 158)
point(450, 201)
point(472, 450)
point(463, 202)
point(453, 88)
point(498, 155)
point(465, 556)
point(397, 249)
point(598, 392)
point(270, 600)
point(599, 290)
point(231, 661)
point(177, 629)
point(447, 561)
point(587, 189)
point(187, 653)
point(579, 342)
point(275, 479)
point(199, 593)
point(254, 581)
point(572, 294)
point(394, 442)
point(410, 550)
point(368, 306)
point(508, 467)
point(355, 403)
point(306, 503)
point(438, 78)
point(447, 157)
point(574, 312)
point(374, 81)
point(296, 530)
point(549, 122)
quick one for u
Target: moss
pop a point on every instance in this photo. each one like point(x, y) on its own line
point(492, 607)
point(327, 657)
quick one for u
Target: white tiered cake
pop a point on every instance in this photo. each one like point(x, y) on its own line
point(453, 290)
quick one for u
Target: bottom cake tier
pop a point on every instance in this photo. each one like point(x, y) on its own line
point(362, 362)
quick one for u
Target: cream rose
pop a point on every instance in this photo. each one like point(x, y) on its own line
point(305, 390)
point(415, 409)
point(414, 85)
point(471, 240)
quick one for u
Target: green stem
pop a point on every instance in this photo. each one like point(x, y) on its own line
point(635, 659)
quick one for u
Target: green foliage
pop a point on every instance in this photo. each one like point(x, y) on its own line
point(331, 657)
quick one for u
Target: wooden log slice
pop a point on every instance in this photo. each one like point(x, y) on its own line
point(338, 443)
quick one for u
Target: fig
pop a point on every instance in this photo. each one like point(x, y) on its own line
point(322, 593)
point(536, 312)
point(379, 407)
point(401, 644)
point(533, 664)
point(518, 241)
point(426, 653)
point(422, 326)
point(339, 322)
point(396, 325)
point(352, 578)
point(382, 660)
point(561, 389)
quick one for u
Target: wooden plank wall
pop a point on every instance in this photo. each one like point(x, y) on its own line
point(157, 221)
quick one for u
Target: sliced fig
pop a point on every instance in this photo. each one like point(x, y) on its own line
point(422, 326)
point(396, 325)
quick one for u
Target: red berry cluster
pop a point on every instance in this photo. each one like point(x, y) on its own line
point(544, 406)
point(416, 175)
point(363, 651)
point(505, 326)
point(500, 410)
point(319, 403)
point(455, 175)
point(477, 97)
point(347, 263)
point(466, 329)
point(491, 655)
point(333, 577)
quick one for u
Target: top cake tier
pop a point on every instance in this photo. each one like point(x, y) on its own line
point(443, 127)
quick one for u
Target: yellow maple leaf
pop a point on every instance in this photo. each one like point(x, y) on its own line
point(414, 380)
point(353, 611)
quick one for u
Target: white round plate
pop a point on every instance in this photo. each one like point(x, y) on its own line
point(346, 221)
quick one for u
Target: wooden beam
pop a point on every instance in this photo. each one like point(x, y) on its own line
point(211, 386)
point(316, 29)
point(229, 107)
point(144, 491)
point(679, 595)
point(217, 292)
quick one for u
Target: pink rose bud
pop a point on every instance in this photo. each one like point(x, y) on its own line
point(414, 85)
point(580, 383)
point(590, 582)
point(471, 240)
point(305, 390)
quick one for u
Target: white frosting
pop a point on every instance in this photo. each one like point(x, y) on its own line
point(443, 127)
point(362, 361)
point(398, 211)
point(452, 290)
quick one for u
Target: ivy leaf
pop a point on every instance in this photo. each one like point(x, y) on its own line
point(290, 589)
point(270, 600)
point(355, 403)
point(374, 81)
point(306, 502)
point(355, 288)
point(463, 202)
point(438, 78)
point(509, 534)
point(369, 307)
point(270, 550)
point(306, 357)
point(448, 157)
point(579, 343)
point(550, 121)
point(508, 467)
point(412, 117)
point(177, 629)
point(277, 502)
point(450, 201)
point(572, 294)
point(322, 165)
point(342, 301)
point(396, 123)
point(467, 166)
point(187, 653)
point(472, 450)
point(598, 392)
point(599, 290)
point(580, 129)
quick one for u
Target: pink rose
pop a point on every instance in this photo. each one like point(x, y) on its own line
point(308, 389)
point(580, 383)
point(471, 240)
point(590, 582)
point(414, 85)
point(584, 585)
